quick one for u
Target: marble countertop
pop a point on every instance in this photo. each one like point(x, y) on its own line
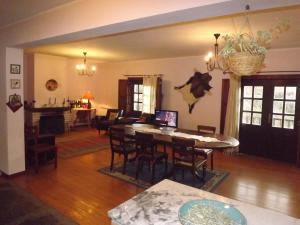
point(159, 205)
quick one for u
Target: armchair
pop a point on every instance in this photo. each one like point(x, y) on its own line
point(111, 118)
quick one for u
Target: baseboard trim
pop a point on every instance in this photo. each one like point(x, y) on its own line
point(12, 175)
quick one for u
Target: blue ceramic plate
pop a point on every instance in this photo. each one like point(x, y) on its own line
point(210, 212)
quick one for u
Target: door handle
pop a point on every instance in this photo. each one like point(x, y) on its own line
point(269, 118)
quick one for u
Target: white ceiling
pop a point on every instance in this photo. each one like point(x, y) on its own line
point(12, 11)
point(187, 39)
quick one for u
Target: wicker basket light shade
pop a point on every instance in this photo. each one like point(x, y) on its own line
point(245, 64)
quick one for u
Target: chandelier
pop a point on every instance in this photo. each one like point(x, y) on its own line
point(82, 68)
point(213, 61)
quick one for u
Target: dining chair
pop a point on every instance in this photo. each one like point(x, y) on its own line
point(203, 129)
point(146, 152)
point(185, 158)
point(111, 118)
point(39, 148)
point(121, 145)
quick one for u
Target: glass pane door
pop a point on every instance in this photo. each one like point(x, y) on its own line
point(284, 107)
point(270, 110)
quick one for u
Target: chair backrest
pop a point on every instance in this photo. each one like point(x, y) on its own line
point(206, 129)
point(32, 133)
point(144, 143)
point(183, 147)
point(112, 114)
point(116, 138)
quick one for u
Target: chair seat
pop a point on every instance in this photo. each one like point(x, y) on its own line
point(156, 155)
point(128, 149)
point(186, 163)
point(207, 151)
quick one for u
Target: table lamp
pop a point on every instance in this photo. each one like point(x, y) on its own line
point(89, 96)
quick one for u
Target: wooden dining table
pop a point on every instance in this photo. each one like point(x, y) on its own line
point(164, 135)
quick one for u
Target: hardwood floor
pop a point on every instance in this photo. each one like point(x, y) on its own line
point(80, 192)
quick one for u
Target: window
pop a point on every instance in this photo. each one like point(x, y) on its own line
point(284, 105)
point(138, 97)
point(252, 105)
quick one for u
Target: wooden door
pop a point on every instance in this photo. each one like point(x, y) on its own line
point(270, 110)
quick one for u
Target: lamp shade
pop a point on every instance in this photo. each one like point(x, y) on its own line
point(88, 95)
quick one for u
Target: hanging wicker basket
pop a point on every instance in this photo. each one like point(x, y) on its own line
point(245, 64)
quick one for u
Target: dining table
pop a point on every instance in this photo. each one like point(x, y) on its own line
point(163, 204)
point(164, 135)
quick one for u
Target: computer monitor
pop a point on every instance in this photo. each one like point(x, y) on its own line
point(167, 115)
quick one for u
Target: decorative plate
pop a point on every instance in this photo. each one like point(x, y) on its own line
point(51, 85)
point(210, 212)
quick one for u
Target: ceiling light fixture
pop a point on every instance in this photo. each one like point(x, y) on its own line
point(213, 61)
point(82, 68)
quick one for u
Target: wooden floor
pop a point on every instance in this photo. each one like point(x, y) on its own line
point(80, 192)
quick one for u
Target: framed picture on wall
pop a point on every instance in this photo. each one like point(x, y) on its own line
point(14, 102)
point(15, 83)
point(15, 69)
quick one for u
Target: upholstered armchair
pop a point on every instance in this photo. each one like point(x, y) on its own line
point(111, 118)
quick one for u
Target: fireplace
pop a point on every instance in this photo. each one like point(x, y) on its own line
point(53, 123)
point(53, 120)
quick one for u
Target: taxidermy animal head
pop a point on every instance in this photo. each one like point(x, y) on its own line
point(195, 88)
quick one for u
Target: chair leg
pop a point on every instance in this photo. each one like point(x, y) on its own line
point(138, 169)
point(142, 166)
point(112, 161)
point(153, 173)
point(194, 177)
point(182, 174)
point(125, 163)
point(36, 162)
point(166, 165)
point(55, 159)
point(203, 172)
point(174, 173)
point(212, 160)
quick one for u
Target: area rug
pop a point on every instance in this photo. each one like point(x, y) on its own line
point(212, 180)
point(19, 207)
point(80, 146)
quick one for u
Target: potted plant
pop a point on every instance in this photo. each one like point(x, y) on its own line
point(244, 53)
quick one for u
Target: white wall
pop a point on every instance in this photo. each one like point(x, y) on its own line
point(3, 117)
point(176, 71)
point(48, 67)
point(14, 120)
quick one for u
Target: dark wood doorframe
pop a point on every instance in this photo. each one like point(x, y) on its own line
point(298, 147)
point(224, 101)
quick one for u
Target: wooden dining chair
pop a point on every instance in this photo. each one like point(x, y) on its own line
point(39, 148)
point(146, 152)
point(203, 129)
point(185, 158)
point(121, 145)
